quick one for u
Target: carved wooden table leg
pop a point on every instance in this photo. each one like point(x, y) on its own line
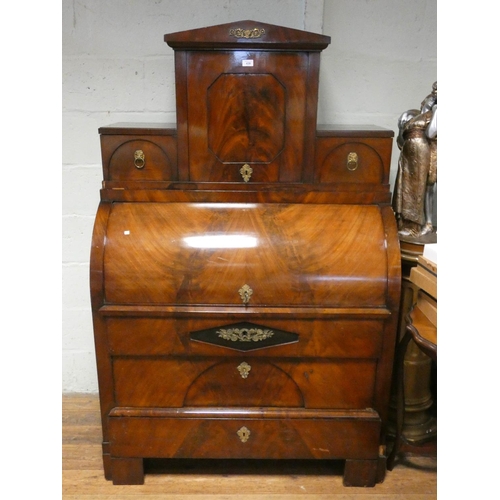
point(360, 473)
point(127, 470)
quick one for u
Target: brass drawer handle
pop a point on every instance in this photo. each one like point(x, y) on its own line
point(139, 160)
point(244, 434)
point(244, 369)
point(352, 161)
point(245, 293)
point(246, 172)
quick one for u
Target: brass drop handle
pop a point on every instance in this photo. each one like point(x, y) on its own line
point(246, 172)
point(244, 434)
point(139, 159)
point(352, 161)
point(245, 293)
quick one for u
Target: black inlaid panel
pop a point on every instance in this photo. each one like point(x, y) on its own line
point(244, 336)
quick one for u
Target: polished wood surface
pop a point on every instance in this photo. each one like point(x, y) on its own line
point(245, 269)
point(420, 336)
point(272, 37)
point(159, 153)
point(82, 471)
point(344, 194)
point(372, 165)
point(180, 253)
point(326, 179)
point(424, 333)
point(268, 119)
point(348, 338)
point(251, 104)
point(268, 438)
point(176, 383)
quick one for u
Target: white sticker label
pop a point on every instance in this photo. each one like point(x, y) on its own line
point(247, 62)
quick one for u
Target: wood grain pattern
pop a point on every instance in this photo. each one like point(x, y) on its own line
point(160, 153)
point(373, 160)
point(177, 241)
point(272, 38)
point(178, 382)
point(248, 124)
point(266, 384)
point(267, 104)
point(413, 478)
point(317, 337)
point(203, 254)
point(167, 192)
point(287, 438)
point(246, 119)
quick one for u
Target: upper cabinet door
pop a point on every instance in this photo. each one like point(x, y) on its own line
point(246, 107)
point(246, 116)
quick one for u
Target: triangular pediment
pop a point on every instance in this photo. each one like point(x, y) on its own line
point(248, 34)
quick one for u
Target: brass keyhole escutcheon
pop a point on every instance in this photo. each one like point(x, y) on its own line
point(246, 172)
point(245, 293)
point(139, 159)
point(244, 434)
point(244, 369)
point(352, 161)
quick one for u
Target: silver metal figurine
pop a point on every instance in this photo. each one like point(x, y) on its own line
point(416, 179)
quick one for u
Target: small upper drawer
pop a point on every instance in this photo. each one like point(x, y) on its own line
point(134, 154)
point(352, 158)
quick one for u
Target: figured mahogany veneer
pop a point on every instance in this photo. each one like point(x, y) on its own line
point(245, 267)
point(282, 433)
point(214, 249)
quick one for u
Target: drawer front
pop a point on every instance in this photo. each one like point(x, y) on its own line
point(330, 338)
point(246, 255)
point(340, 160)
point(230, 437)
point(245, 382)
point(135, 158)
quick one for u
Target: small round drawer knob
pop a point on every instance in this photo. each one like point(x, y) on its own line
point(139, 159)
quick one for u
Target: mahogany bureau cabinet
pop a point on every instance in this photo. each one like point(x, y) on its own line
point(245, 267)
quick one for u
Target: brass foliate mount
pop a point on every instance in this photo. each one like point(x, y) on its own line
point(245, 334)
point(247, 33)
point(245, 293)
point(246, 172)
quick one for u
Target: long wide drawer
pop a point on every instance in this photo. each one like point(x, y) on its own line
point(308, 383)
point(332, 338)
point(263, 433)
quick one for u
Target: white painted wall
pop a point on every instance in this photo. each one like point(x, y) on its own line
point(381, 61)
point(116, 67)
